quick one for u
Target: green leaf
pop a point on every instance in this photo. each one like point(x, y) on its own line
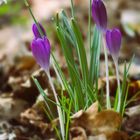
point(125, 86)
point(67, 52)
point(67, 28)
point(80, 51)
point(95, 57)
point(46, 99)
point(73, 71)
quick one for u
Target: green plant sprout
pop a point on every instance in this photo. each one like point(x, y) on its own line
point(82, 85)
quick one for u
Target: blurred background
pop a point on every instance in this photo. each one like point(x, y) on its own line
point(16, 23)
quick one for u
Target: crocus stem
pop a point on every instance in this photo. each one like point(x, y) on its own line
point(118, 82)
point(57, 73)
point(60, 115)
point(108, 104)
point(72, 8)
point(31, 13)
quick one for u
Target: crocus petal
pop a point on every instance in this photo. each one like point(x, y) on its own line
point(41, 51)
point(99, 14)
point(113, 40)
point(36, 31)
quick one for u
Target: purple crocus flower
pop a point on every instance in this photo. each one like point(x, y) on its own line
point(99, 14)
point(113, 40)
point(36, 32)
point(41, 48)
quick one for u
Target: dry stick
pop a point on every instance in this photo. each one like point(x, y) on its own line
point(107, 74)
point(58, 105)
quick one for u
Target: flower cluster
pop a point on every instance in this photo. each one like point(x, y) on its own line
point(41, 48)
point(113, 42)
point(113, 37)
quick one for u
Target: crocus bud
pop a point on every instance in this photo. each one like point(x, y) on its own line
point(41, 51)
point(99, 14)
point(113, 40)
point(36, 32)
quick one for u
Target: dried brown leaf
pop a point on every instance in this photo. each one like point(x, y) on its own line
point(25, 63)
point(106, 121)
point(118, 135)
point(11, 108)
point(78, 133)
point(98, 137)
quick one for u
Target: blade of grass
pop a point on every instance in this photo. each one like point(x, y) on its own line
point(74, 74)
point(67, 51)
point(63, 79)
point(46, 99)
point(67, 28)
point(124, 102)
point(55, 128)
point(133, 98)
point(68, 119)
point(94, 56)
point(81, 52)
point(43, 94)
point(116, 100)
point(124, 84)
point(78, 87)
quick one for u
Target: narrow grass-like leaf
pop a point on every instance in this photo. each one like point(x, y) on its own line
point(46, 99)
point(67, 52)
point(67, 28)
point(76, 104)
point(78, 88)
point(68, 119)
point(95, 57)
point(81, 51)
point(124, 88)
point(63, 79)
point(116, 100)
point(74, 74)
point(55, 128)
point(124, 84)
point(44, 94)
point(124, 101)
point(135, 135)
point(132, 99)
point(129, 65)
